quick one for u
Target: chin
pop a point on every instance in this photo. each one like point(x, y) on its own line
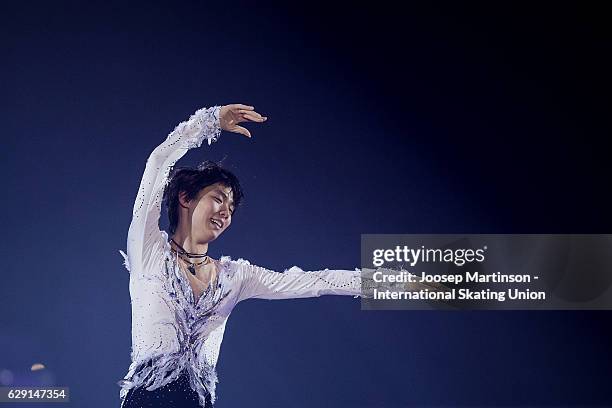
point(213, 236)
point(206, 237)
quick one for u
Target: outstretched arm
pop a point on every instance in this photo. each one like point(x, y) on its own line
point(261, 283)
point(144, 237)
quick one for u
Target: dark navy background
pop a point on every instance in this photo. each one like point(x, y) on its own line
point(428, 119)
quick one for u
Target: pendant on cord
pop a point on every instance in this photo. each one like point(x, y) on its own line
point(191, 269)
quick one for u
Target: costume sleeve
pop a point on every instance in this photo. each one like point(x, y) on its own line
point(144, 237)
point(261, 283)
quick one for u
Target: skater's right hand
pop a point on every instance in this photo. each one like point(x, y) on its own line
point(231, 115)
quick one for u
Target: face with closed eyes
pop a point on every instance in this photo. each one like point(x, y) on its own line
point(211, 212)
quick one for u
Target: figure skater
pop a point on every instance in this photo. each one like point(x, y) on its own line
point(181, 297)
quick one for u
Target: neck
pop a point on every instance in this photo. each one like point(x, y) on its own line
point(186, 241)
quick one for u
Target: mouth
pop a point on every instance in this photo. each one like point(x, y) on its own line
point(217, 223)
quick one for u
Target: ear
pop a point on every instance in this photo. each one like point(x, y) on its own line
point(183, 201)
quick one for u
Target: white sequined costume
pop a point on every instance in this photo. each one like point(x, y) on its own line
point(172, 331)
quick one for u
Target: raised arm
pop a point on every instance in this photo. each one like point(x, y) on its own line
point(144, 237)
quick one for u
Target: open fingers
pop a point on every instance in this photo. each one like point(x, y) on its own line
point(252, 116)
point(242, 131)
point(237, 106)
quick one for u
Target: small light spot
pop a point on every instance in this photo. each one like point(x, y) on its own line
point(37, 367)
point(6, 377)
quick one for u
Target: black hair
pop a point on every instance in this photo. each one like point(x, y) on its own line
point(192, 180)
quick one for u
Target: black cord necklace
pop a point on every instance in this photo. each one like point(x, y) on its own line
point(189, 254)
point(182, 254)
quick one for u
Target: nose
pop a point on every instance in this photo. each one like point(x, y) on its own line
point(225, 212)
